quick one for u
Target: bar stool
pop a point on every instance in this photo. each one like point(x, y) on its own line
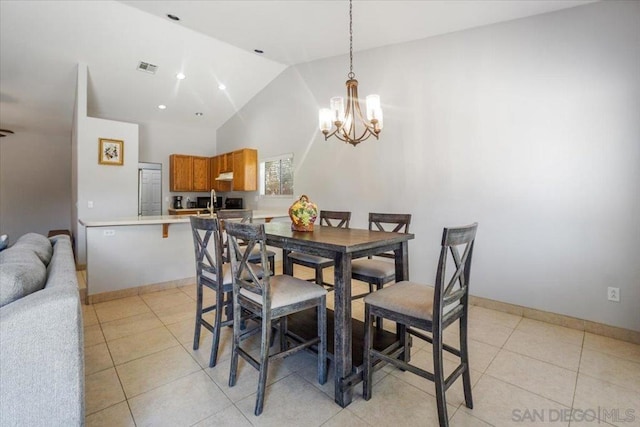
point(377, 271)
point(213, 274)
point(416, 307)
point(272, 298)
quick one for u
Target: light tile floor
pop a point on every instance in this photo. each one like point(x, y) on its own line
point(140, 369)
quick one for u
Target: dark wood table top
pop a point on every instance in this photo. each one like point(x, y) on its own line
point(346, 240)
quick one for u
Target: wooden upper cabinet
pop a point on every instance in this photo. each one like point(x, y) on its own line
point(196, 173)
point(217, 165)
point(245, 170)
point(181, 172)
point(201, 179)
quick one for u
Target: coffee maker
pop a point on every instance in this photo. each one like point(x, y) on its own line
point(177, 202)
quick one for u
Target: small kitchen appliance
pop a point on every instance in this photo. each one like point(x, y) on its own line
point(177, 202)
point(234, 203)
point(203, 202)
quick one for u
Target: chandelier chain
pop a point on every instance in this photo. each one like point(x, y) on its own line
point(351, 74)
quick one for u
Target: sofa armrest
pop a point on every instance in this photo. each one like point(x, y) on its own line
point(42, 360)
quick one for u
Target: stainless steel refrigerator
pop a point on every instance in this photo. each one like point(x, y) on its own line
point(149, 189)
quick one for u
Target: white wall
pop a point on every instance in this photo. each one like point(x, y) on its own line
point(112, 189)
point(35, 183)
point(529, 127)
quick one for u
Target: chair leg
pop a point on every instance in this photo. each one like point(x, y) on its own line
point(464, 359)
point(438, 373)
point(196, 334)
point(378, 319)
point(233, 371)
point(319, 278)
point(272, 264)
point(216, 329)
point(283, 333)
point(367, 384)
point(322, 345)
point(264, 361)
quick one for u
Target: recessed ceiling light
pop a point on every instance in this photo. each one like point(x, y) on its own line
point(199, 114)
point(162, 107)
point(260, 51)
point(180, 76)
point(173, 17)
point(221, 86)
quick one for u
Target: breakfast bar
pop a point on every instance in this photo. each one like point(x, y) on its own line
point(128, 253)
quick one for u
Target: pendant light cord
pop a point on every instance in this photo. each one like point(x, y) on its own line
point(351, 74)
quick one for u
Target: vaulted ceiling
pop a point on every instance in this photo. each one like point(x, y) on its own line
point(41, 43)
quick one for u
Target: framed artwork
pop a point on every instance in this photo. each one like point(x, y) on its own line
point(111, 152)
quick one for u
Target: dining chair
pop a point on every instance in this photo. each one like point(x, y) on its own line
point(212, 273)
point(418, 308)
point(337, 219)
point(272, 298)
point(245, 216)
point(377, 271)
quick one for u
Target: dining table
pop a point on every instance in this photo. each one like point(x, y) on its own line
point(342, 245)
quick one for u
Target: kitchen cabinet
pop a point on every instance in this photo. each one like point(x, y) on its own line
point(245, 170)
point(218, 166)
point(189, 173)
point(201, 179)
point(181, 172)
point(244, 166)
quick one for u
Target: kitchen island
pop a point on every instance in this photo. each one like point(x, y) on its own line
point(128, 256)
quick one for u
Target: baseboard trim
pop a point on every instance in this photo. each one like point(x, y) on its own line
point(530, 313)
point(139, 290)
point(559, 319)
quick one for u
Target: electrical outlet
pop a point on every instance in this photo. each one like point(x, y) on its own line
point(109, 233)
point(613, 294)
point(90, 204)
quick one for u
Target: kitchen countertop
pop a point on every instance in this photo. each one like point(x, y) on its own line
point(171, 219)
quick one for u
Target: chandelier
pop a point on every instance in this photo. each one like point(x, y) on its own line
point(345, 120)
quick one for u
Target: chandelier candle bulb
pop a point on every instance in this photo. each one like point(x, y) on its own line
point(337, 106)
point(373, 106)
point(325, 119)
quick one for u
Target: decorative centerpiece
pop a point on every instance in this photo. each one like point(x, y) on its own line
point(303, 214)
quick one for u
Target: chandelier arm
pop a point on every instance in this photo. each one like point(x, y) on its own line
point(355, 141)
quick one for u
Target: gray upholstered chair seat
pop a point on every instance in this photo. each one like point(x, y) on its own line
point(373, 268)
point(409, 298)
point(287, 290)
point(310, 259)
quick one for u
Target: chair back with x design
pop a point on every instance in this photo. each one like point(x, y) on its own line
point(337, 219)
point(452, 289)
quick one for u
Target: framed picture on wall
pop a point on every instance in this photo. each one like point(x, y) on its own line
point(111, 152)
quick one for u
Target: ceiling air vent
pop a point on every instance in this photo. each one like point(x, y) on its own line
point(146, 67)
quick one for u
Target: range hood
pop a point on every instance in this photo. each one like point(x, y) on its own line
point(225, 176)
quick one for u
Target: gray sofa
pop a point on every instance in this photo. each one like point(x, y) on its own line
point(41, 341)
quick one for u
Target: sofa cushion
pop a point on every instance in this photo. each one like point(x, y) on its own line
point(21, 273)
point(38, 244)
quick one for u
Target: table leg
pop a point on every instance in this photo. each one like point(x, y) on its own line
point(342, 328)
point(402, 262)
point(287, 264)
